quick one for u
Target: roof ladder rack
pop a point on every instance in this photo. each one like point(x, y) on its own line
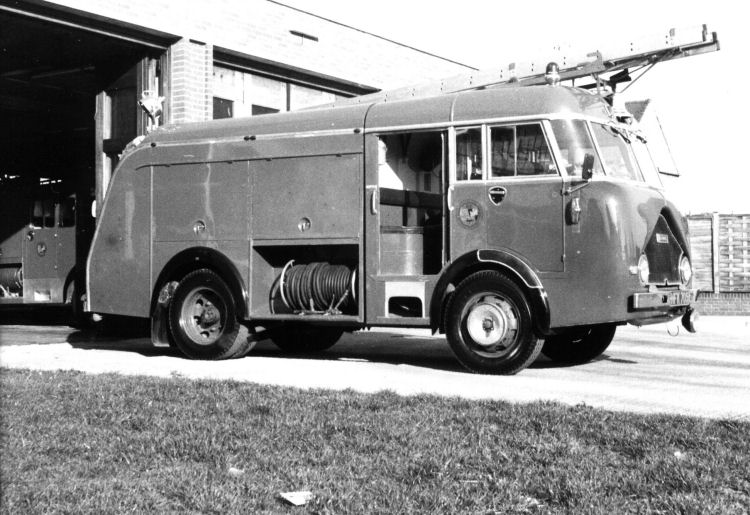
point(616, 60)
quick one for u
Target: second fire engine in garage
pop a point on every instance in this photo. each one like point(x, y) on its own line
point(514, 220)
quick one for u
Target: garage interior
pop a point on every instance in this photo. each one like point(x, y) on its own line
point(69, 90)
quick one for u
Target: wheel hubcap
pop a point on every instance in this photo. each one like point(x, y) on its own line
point(487, 324)
point(491, 323)
point(201, 317)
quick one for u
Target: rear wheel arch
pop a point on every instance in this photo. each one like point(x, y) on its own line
point(203, 319)
point(182, 264)
point(511, 266)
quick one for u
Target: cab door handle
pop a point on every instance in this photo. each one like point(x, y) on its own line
point(373, 199)
point(497, 194)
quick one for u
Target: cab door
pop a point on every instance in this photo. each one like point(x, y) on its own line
point(506, 194)
point(467, 197)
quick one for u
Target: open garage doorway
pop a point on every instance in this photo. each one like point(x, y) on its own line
point(69, 89)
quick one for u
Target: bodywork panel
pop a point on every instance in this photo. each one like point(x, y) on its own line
point(118, 272)
point(616, 221)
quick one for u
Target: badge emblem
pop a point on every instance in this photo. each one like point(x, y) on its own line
point(469, 213)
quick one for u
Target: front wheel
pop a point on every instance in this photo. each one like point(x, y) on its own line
point(579, 344)
point(203, 319)
point(489, 325)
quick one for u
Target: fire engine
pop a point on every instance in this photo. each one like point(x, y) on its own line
point(38, 241)
point(512, 213)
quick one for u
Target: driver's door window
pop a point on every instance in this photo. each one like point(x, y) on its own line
point(469, 154)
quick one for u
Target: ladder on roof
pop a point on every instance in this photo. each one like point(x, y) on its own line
point(617, 60)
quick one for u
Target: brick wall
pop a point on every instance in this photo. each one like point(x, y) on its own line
point(262, 29)
point(191, 69)
point(724, 304)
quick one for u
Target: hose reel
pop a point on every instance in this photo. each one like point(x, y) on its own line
point(318, 287)
point(11, 281)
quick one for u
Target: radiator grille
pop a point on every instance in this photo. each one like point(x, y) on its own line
point(663, 252)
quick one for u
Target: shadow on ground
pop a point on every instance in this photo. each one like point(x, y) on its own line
point(384, 348)
point(116, 333)
point(37, 315)
point(128, 334)
point(427, 352)
point(378, 347)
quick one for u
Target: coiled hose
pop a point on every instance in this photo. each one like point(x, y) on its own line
point(317, 287)
point(11, 280)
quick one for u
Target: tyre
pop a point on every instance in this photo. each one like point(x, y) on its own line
point(79, 318)
point(203, 318)
point(580, 344)
point(489, 325)
point(306, 339)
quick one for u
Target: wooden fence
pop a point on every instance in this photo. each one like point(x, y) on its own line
point(720, 249)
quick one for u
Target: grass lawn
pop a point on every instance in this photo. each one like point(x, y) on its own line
point(78, 443)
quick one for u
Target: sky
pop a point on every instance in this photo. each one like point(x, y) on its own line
point(701, 101)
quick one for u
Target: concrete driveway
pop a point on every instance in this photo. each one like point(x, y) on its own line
point(645, 370)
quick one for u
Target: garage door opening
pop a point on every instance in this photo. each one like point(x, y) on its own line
point(69, 90)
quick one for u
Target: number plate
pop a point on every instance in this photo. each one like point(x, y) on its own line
point(656, 300)
point(680, 298)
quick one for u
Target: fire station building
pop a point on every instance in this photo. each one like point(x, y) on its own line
point(72, 74)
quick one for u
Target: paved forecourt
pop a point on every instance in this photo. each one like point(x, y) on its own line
point(645, 369)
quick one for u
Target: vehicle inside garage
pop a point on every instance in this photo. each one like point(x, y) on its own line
point(69, 90)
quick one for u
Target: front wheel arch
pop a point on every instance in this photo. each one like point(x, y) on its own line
point(509, 265)
point(489, 325)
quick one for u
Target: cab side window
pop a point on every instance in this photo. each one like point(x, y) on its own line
point(43, 213)
point(520, 150)
point(67, 212)
point(469, 154)
point(503, 141)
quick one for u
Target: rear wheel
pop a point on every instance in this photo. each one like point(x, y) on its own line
point(580, 344)
point(305, 339)
point(489, 325)
point(203, 319)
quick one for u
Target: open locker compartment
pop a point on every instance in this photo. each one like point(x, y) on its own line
point(318, 282)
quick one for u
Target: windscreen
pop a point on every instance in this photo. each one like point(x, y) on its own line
point(575, 143)
point(618, 157)
point(646, 162)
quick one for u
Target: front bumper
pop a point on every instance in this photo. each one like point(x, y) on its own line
point(662, 299)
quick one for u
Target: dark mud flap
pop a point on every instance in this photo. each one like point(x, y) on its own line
point(159, 320)
point(689, 319)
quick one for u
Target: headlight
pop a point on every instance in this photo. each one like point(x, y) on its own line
point(643, 271)
point(686, 271)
